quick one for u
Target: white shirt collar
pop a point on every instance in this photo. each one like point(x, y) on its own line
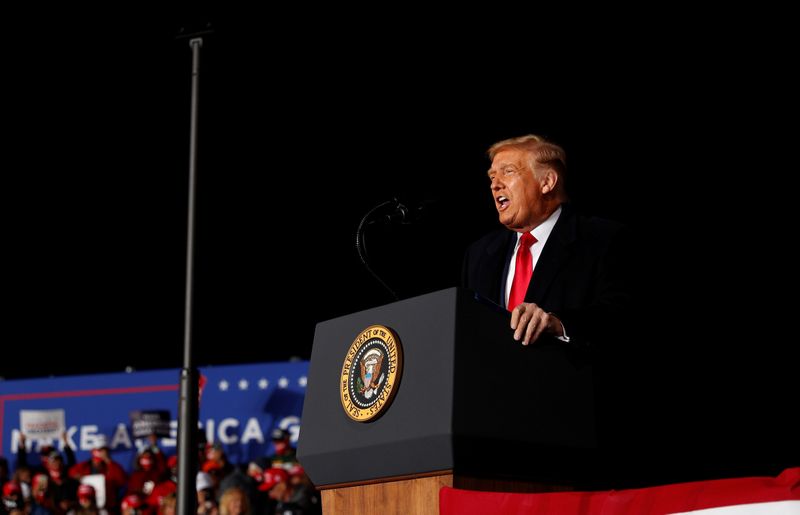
point(542, 231)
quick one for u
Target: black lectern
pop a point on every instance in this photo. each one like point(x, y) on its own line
point(471, 403)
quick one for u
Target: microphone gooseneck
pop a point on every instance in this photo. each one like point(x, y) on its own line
point(361, 245)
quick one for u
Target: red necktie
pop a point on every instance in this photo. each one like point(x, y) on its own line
point(522, 271)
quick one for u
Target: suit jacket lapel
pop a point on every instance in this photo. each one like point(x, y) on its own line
point(554, 256)
point(497, 256)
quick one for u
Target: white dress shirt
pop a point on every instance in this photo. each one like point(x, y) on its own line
point(541, 232)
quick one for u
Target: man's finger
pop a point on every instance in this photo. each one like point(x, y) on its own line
point(515, 314)
point(530, 330)
point(522, 326)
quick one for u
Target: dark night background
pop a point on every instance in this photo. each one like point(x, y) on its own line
point(689, 147)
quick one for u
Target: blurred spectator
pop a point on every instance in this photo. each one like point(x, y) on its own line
point(22, 477)
point(167, 505)
point(249, 482)
point(234, 502)
point(22, 456)
point(215, 458)
point(101, 463)
point(63, 487)
point(12, 497)
point(12, 508)
point(240, 479)
point(147, 473)
point(302, 486)
point(45, 453)
point(132, 505)
point(206, 494)
point(289, 499)
point(43, 500)
point(216, 464)
point(57, 493)
point(11, 490)
point(284, 452)
point(270, 479)
point(256, 468)
point(165, 488)
point(87, 502)
point(159, 460)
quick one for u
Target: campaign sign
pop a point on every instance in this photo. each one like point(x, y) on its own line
point(146, 423)
point(239, 407)
point(42, 423)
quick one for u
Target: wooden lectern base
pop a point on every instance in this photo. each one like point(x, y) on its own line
point(415, 495)
point(418, 496)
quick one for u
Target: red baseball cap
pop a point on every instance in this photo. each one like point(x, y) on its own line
point(11, 488)
point(211, 466)
point(86, 491)
point(272, 477)
point(131, 501)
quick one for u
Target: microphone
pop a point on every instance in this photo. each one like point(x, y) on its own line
point(399, 213)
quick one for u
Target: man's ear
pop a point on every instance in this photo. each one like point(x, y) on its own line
point(549, 181)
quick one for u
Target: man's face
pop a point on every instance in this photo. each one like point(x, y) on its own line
point(54, 463)
point(99, 455)
point(214, 454)
point(277, 491)
point(255, 472)
point(281, 446)
point(146, 461)
point(516, 191)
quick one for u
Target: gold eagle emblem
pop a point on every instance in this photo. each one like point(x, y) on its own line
point(371, 370)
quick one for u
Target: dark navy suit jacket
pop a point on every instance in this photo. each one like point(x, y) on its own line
point(581, 275)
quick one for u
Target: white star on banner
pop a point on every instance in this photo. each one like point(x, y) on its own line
point(283, 382)
point(262, 384)
point(243, 384)
point(223, 385)
point(302, 381)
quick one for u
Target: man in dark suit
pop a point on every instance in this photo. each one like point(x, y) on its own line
point(560, 274)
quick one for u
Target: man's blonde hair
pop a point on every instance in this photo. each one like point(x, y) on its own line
point(543, 153)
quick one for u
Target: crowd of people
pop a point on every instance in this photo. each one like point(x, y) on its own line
point(59, 485)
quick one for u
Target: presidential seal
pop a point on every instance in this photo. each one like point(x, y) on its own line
point(370, 373)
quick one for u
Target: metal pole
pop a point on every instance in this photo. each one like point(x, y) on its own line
point(187, 424)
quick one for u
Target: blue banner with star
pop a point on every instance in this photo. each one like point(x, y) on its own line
point(239, 406)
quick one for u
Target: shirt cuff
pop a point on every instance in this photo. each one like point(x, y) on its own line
point(564, 336)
